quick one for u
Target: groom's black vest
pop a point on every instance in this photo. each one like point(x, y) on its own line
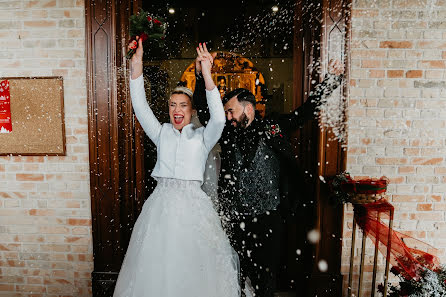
point(256, 182)
point(254, 162)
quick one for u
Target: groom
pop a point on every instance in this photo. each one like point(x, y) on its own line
point(256, 159)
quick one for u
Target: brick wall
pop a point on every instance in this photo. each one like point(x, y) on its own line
point(397, 115)
point(45, 219)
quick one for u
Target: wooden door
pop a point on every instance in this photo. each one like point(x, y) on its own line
point(113, 145)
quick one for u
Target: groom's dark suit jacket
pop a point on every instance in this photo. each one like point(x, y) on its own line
point(259, 172)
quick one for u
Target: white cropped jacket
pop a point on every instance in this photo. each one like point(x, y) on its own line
point(180, 155)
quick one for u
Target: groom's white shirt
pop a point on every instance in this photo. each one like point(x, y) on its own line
point(179, 155)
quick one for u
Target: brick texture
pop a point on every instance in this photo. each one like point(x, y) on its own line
point(397, 82)
point(45, 217)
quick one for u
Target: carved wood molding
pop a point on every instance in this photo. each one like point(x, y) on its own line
point(110, 138)
point(102, 113)
point(332, 155)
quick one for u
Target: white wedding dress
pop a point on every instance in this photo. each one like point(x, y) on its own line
point(178, 247)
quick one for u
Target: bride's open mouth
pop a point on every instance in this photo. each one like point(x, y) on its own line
point(178, 119)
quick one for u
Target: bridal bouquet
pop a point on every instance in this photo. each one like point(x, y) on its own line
point(147, 27)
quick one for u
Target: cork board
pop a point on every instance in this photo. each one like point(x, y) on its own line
point(37, 116)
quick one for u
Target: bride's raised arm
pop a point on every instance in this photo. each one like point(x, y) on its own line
point(143, 112)
point(217, 120)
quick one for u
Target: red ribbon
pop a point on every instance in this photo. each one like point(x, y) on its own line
point(406, 260)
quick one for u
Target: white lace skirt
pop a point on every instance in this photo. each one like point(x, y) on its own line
point(178, 247)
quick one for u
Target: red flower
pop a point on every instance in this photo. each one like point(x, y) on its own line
point(143, 36)
point(273, 132)
point(155, 21)
point(149, 18)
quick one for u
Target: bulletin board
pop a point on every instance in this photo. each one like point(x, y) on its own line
point(37, 117)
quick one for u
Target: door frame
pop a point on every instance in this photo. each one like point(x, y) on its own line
point(318, 153)
point(116, 147)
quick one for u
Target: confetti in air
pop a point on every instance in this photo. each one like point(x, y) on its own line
point(322, 265)
point(314, 236)
point(332, 112)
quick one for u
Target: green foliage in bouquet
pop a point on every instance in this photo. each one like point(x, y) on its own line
point(143, 22)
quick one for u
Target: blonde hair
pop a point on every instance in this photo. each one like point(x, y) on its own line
point(186, 91)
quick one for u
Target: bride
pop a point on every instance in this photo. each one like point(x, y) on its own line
point(178, 247)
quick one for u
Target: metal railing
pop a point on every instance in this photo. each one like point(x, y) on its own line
point(375, 259)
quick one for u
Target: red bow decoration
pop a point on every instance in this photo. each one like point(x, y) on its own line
point(365, 186)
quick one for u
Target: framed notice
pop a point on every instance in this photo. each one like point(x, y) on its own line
point(5, 108)
point(32, 116)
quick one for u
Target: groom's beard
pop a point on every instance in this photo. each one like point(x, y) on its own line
point(242, 122)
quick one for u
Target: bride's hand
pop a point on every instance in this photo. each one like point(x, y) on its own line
point(206, 67)
point(137, 56)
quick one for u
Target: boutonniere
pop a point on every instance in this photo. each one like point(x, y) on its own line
point(273, 131)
